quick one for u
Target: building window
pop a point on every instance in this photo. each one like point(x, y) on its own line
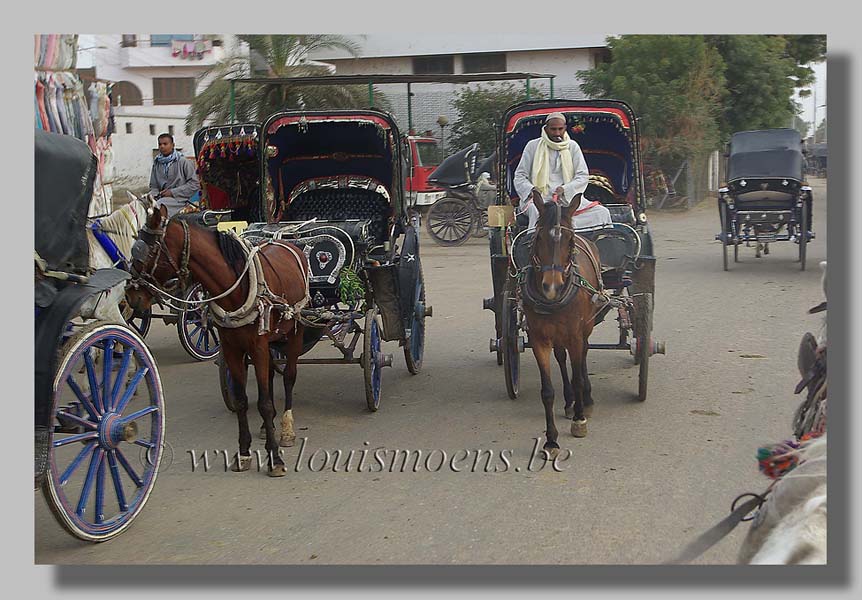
point(128, 128)
point(171, 129)
point(484, 63)
point(433, 65)
point(126, 93)
point(173, 90)
point(130, 40)
point(152, 129)
point(165, 39)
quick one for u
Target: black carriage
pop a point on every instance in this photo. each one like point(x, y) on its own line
point(766, 198)
point(332, 183)
point(607, 132)
point(461, 213)
point(99, 405)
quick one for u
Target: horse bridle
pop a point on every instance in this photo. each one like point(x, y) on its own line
point(557, 235)
point(153, 240)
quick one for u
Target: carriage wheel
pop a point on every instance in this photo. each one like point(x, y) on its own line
point(803, 237)
point(372, 359)
point(724, 236)
point(138, 320)
point(450, 221)
point(643, 311)
point(224, 380)
point(197, 334)
point(414, 346)
point(509, 342)
point(106, 439)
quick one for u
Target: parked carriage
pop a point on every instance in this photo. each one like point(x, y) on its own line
point(607, 132)
point(332, 183)
point(766, 198)
point(99, 404)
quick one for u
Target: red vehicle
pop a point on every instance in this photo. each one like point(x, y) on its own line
point(425, 155)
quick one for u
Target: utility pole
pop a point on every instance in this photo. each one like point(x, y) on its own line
point(814, 127)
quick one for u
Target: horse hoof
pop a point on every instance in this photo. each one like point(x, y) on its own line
point(553, 451)
point(287, 441)
point(277, 471)
point(570, 412)
point(242, 463)
point(588, 411)
point(579, 428)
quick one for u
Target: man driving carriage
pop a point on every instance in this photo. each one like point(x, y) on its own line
point(173, 178)
point(554, 165)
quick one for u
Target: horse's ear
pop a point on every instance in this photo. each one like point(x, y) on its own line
point(131, 196)
point(567, 212)
point(539, 202)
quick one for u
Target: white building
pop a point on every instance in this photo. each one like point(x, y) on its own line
point(155, 78)
point(562, 55)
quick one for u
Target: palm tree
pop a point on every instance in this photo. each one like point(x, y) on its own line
point(274, 56)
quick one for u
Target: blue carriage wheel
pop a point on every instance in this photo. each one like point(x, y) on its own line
point(414, 349)
point(107, 434)
point(372, 360)
point(197, 334)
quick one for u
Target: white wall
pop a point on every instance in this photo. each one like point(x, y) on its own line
point(133, 153)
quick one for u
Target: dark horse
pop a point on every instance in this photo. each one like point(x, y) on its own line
point(176, 248)
point(558, 305)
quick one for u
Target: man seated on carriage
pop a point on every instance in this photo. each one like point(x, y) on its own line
point(173, 178)
point(554, 165)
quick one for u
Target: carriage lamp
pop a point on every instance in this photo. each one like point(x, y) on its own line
point(642, 217)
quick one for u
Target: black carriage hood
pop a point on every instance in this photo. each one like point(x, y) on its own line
point(458, 169)
point(605, 130)
point(766, 153)
point(303, 145)
point(65, 170)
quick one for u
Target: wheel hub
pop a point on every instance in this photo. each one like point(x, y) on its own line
point(113, 430)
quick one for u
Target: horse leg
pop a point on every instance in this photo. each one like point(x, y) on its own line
point(262, 364)
point(542, 352)
point(271, 375)
point(579, 421)
point(294, 348)
point(235, 360)
point(568, 391)
point(587, 386)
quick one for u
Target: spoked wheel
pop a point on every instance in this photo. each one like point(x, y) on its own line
point(414, 346)
point(510, 345)
point(450, 221)
point(373, 359)
point(643, 309)
point(138, 320)
point(224, 379)
point(106, 439)
point(803, 238)
point(197, 334)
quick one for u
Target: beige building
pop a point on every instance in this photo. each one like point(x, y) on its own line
point(559, 55)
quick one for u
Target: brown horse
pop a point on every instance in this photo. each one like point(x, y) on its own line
point(176, 248)
point(563, 278)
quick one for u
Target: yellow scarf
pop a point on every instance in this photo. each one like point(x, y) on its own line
point(541, 171)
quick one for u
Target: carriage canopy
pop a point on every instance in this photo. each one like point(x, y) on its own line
point(766, 153)
point(457, 169)
point(606, 131)
point(312, 159)
point(65, 170)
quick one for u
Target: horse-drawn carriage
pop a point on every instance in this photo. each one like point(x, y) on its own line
point(461, 213)
point(99, 405)
point(766, 198)
point(332, 184)
point(607, 133)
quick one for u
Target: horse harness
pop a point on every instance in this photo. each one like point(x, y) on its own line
point(260, 301)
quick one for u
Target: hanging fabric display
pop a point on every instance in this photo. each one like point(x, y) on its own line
point(63, 106)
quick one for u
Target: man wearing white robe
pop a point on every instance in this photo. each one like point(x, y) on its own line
point(554, 164)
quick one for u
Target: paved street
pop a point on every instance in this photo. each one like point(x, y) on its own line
point(646, 480)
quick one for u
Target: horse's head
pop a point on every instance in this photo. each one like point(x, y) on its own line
point(155, 259)
point(553, 246)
